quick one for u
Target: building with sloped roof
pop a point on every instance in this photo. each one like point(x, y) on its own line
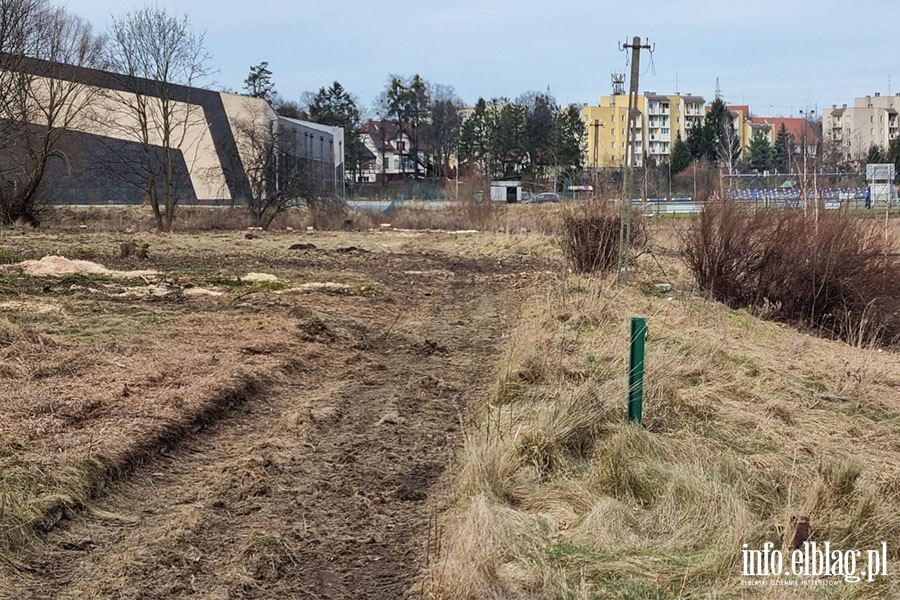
point(390, 155)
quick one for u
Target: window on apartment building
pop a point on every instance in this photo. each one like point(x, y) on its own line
point(872, 131)
point(665, 131)
point(871, 118)
point(613, 145)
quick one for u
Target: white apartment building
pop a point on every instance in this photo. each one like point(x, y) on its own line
point(872, 120)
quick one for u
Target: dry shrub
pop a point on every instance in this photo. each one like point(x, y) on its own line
point(480, 214)
point(836, 275)
point(327, 213)
point(590, 236)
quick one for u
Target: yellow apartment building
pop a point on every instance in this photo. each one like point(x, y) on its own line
point(658, 120)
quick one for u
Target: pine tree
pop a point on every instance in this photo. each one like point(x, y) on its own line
point(259, 82)
point(681, 155)
point(713, 128)
point(784, 142)
point(570, 138)
point(875, 155)
point(335, 106)
point(894, 157)
point(695, 142)
point(760, 153)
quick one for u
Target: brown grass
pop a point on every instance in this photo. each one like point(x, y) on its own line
point(482, 216)
point(84, 403)
point(749, 425)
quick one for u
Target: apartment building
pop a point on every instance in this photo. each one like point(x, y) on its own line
point(872, 120)
point(658, 119)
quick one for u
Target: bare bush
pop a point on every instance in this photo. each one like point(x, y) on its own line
point(327, 212)
point(835, 275)
point(590, 236)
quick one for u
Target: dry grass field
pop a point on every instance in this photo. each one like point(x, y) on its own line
point(233, 418)
point(403, 413)
point(750, 426)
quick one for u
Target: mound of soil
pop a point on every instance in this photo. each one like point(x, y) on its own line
point(60, 265)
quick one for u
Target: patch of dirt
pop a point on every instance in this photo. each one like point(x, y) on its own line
point(320, 286)
point(259, 277)
point(320, 486)
point(39, 308)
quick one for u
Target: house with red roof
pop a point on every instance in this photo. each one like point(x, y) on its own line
point(390, 156)
point(802, 133)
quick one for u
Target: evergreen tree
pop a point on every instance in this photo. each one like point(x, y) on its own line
point(510, 136)
point(334, 106)
point(760, 153)
point(894, 157)
point(570, 138)
point(540, 129)
point(681, 154)
point(713, 127)
point(475, 137)
point(784, 143)
point(875, 155)
point(259, 82)
point(695, 142)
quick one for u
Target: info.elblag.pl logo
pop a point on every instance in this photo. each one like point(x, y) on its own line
point(812, 560)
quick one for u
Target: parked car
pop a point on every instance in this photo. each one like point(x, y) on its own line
point(545, 197)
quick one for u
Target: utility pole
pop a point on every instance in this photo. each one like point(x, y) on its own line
point(625, 221)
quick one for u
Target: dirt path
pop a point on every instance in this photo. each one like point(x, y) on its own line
point(319, 486)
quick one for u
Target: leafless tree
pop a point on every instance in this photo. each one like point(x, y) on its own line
point(278, 178)
point(728, 148)
point(42, 96)
point(159, 57)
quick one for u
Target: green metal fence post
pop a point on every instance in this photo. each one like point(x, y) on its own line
point(636, 370)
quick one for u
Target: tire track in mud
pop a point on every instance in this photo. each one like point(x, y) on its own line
point(318, 488)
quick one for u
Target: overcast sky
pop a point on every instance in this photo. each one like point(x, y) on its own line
point(777, 56)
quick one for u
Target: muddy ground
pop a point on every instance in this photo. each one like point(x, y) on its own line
point(320, 480)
